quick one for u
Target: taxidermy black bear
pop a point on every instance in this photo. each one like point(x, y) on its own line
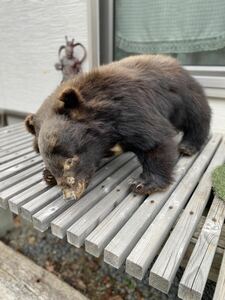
point(138, 103)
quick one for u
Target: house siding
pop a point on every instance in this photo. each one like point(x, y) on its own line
point(31, 34)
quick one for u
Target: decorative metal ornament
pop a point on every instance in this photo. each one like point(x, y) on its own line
point(68, 63)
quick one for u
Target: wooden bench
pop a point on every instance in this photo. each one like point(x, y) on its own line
point(153, 234)
point(22, 279)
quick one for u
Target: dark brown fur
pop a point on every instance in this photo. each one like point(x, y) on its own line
point(139, 103)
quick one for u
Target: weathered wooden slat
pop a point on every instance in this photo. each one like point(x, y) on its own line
point(43, 218)
point(14, 137)
point(13, 149)
point(36, 204)
point(147, 247)
point(22, 198)
point(117, 194)
point(19, 187)
point(65, 220)
point(168, 262)
point(121, 245)
point(21, 176)
point(108, 169)
point(221, 244)
point(15, 144)
point(22, 279)
point(215, 268)
point(83, 226)
point(12, 140)
point(11, 128)
point(20, 167)
point(196, 273)
point(15, 155)
point(18, 160)
point(6, 222)
point(12, 132)
point(114, 220)
point(220, 286)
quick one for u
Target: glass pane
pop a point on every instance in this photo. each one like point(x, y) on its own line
point(192, 31)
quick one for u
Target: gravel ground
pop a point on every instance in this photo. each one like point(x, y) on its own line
point(89, 275)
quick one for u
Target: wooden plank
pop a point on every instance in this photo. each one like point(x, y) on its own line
point(164, 270)
point(148, 246)
point(12, 132)
point(43, 218)
point(11, 141)
point(6, 222)
point(17, 143)
point(112, 223)
point(220, 286)
point(65, 220)
point(37, 203)
point(15, 155)
point(22, 198)
point(19, 187)
point(196, 273)
point(18, 160)
point(22, 279)
point(108, 169)
point(14, 137)
point(4, 184)
point(77, 233)
point(15, 148)
point(11, 128)
point(20, 167)
point(221, 245)
point(215, 267)
point(95, 214)
point(121, 245)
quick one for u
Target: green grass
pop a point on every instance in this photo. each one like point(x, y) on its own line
point(218, 182)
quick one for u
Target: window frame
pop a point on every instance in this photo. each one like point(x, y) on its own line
point(212, 78)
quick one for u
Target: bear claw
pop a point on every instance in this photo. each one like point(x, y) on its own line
point(145, 188)
point(187, 150)
point(49, 178)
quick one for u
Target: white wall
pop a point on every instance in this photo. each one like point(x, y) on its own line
point(31, 32)
point(218, 114)
point(216, 99)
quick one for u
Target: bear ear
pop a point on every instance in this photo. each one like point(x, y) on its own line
point(69, 99)
point(29, 123)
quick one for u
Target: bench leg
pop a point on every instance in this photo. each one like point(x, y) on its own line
point(6, 221)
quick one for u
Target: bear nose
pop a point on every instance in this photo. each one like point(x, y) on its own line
point(65, 182)
point(71, 162)
point(59, 181)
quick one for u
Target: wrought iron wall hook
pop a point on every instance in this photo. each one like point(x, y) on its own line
point(68, 63)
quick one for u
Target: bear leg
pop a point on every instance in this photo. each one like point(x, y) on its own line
point(196, 123)
point(158, 164)
point(194, 138)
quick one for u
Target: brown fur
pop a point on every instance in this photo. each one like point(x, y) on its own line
point(139, 103)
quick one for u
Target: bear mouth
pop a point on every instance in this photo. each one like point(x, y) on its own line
point(74, 189)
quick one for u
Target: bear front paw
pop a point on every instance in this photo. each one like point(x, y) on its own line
point(49, 178)
point(186, 149)
point(143, 188)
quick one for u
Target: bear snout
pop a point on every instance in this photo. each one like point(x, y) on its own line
point(72, 187)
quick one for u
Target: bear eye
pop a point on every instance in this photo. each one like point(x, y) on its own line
point(59, 150)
